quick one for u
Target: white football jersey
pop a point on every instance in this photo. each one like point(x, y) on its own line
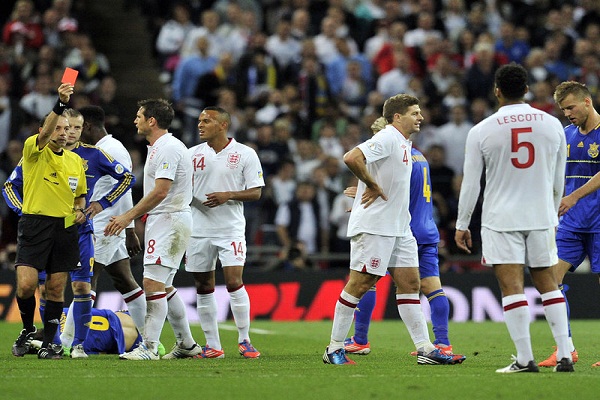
point(236, 167)
point(167, 159)
point(524, 151)
point(389, 162)
point(105, 184)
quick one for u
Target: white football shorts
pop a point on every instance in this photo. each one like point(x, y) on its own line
point(203, 252)
point(110, 249)
point(374, 254)
point(166, 238)
point(532, 248)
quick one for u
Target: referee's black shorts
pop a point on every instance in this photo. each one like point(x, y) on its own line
point(45, 244)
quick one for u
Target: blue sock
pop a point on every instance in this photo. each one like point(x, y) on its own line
point(440, 309)
point(42, 308)
point(564, 288)
point(82, 315)
point(362, 317)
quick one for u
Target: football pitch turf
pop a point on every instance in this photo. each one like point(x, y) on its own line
point(290, 367)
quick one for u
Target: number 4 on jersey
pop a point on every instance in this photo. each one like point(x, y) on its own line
point(199, 163)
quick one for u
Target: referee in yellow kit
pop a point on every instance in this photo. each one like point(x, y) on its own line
point(54, 189)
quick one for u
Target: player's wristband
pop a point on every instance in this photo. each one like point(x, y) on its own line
point(59, 107)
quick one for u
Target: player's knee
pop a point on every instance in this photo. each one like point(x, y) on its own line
point(81, 287)
point(26, 289)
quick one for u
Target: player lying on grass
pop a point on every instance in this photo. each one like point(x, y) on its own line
point(111, 332)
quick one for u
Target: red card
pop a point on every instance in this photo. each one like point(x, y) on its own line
point(70, 76)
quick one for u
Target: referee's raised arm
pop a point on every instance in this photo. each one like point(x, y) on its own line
point(65, 90)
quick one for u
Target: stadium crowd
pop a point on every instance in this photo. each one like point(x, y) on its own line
point(303, 81)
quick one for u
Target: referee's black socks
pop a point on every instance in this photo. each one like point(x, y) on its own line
point(27, 310)
point(52, 315)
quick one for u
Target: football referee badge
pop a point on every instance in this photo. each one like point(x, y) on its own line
point(593, 150)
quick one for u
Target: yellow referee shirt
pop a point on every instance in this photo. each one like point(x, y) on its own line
point(51, 181)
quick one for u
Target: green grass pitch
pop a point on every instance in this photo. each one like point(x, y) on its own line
point(291, 368)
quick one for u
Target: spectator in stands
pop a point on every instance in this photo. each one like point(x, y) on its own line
point(44, 62)
point(479, 110)
point(314, 90)
point(535, 65)
point(441, 75)
point(336, 70)
point(274, 108)
point(92, 69)
point(50, 28)
point(282, 129)
point(476, 19)
point(307, 158)
point(40, 101)
point(352, 97)
point(171, 37)
point(465, 47)
point(508, 44)
point(23, 31)
point(300, 24)
point(238, 25)
point(325, 41)
point(270, 151)
point(189, 70)
point(209, 28)
point(540, 97)
point(257, 75)
point(479, 78)
point(453, 136)
point(454, 16)
point(74, 42)
point(302, 220)
point(374, 43)
point(210, 84)
point(11, 116)
point(555, 64)
point(328, 140)
point(455, 96)
point(227, 100)
point(425, 28)
point(283, 184)
point(296, 259)
point(334, 170)
point(339, 216)
point(284, 48)
point(396, 80)
point(383, 60)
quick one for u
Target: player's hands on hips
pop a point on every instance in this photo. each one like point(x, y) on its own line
point(463, 240)
point(132, 242)
point(65, 91)
point(94, 209)
point(350, 191)
point(116, 225)
point(371, 194)
point(566, 203)
point(216, 199)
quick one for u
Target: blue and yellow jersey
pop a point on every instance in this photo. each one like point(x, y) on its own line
point(583, 162)
point(105, 334)
point(12, 190)
point(420, 207)
point(96, 163)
